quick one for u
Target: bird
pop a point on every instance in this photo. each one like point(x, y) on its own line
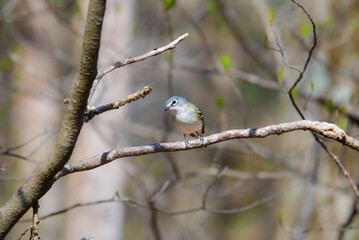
point(187, 117)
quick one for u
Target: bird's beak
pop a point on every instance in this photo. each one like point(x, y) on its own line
point(166, 108)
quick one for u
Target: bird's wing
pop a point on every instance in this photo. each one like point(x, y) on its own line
point(200, 114)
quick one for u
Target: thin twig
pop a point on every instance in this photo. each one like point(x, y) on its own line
point(24, 232)
point(350, 219)
point(282, 53)
point(34, 235)
point(112, 199)
point(15, 155)
point(127, 61)
point(34, 228)
point(133, 203)
point(9, 152)
point(206, 192)
point(256, 203)
point(332, 155)
point(92, 111)
point(340, 165)
point(252, 176)
point(301, 73)
point(161, 190)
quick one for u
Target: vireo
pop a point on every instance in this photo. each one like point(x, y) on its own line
point(187, 117)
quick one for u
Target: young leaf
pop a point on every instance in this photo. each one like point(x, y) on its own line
point(353, 25)
point(169, 57)
point(336, 113)
point(220, 102)
point(134, 28)
point(280, 75)
point(212, 6)
point(169, 4)
point(118, 8)
point(343, 109)
point(343, 122)
point(6, 64)
point(281, 216)
point(15, 48)
point(226, 61)
point(330, 106)
point(306, 30)
point(265, 40)
point(271, 13)
point(295, 93)
point(330, 22)
point(312, 85)
point(352, 98)
point(77, 9)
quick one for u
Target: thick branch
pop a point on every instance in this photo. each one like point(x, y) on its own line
point(42, 178)
point(325, 129)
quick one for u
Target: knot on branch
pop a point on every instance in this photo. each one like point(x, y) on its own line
point(117, 64)
point(332, 131)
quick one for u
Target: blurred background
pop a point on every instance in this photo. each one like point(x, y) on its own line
point(280, 187)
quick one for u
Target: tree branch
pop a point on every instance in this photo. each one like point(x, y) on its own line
point(42, 178)
point(290, 93)
point(127, 61)
point(325, 129)
point(92, 112)
point(301, 73)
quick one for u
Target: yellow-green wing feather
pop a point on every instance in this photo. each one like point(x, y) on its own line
point(200, 116)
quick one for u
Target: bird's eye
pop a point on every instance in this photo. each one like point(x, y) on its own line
point(174, 102)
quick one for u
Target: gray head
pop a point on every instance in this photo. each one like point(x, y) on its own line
point(175, 102)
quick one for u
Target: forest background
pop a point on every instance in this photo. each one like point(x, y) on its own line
point(278, 71)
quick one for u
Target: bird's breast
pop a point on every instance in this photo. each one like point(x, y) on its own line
point(187, 123)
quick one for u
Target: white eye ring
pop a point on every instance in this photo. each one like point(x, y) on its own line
point(174, 102)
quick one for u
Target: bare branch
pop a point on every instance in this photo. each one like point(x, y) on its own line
point(10, 151)
point(252, 176)
point(218, 176)
point(351, 218)
point(290, 93)
point(325, 129)
point(42, 178)
point(112, 199)
point(311, 49)
point(281, 51)
point(301, 73)
point(161, 190)
point(92, 112)
point(127, 61)
point(34, 235)
point(256, 203)
point(34, 228)
point(133, 203)
point(24, 232)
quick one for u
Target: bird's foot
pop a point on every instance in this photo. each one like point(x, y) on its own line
point(185, 141)
point(201, 138)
